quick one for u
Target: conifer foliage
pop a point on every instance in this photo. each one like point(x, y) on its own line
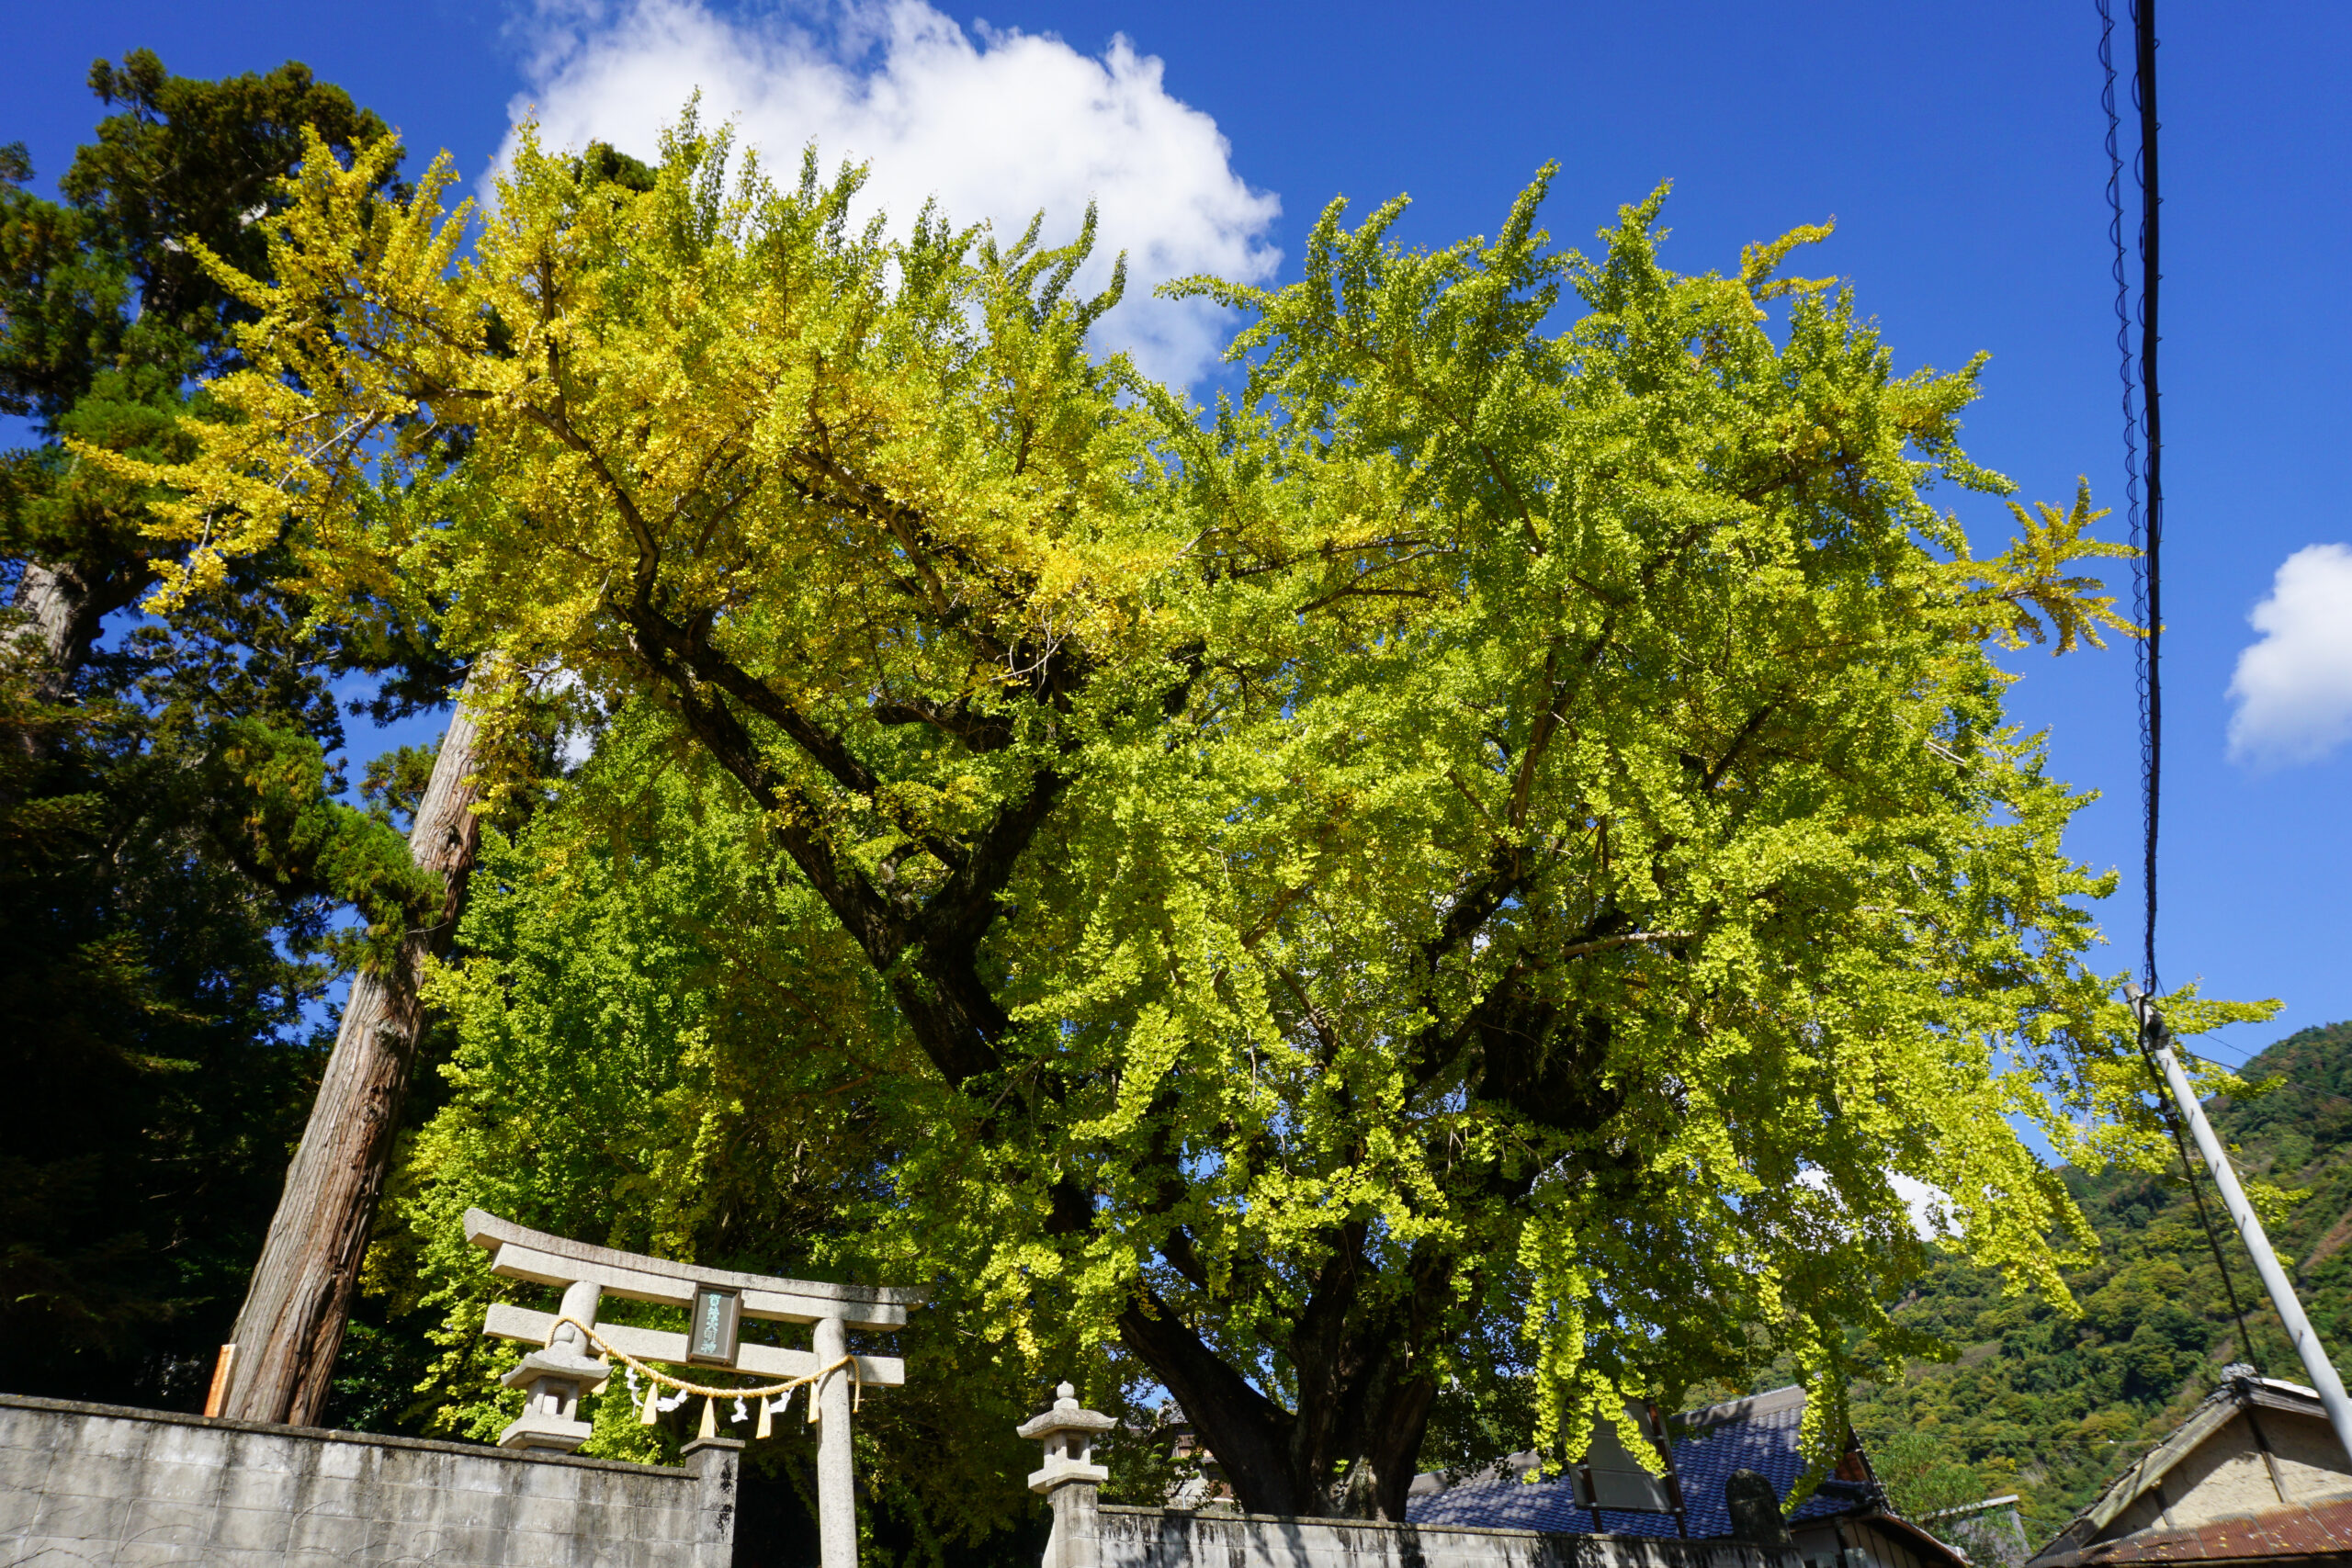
point(175, 867)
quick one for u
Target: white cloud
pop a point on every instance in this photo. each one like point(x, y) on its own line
point(2293, 688)
point(998, 127)
point(1928, 1205)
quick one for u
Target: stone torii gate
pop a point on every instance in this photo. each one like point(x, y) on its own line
point(564, 1367)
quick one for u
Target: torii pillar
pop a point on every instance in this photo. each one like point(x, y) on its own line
point(836, 1485)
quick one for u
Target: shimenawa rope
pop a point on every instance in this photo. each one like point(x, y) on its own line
point(711, 1395)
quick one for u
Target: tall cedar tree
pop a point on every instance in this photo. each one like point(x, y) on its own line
point(1477, 865)
point(173, 858)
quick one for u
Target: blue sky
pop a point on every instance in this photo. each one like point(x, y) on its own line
point(1959, 147)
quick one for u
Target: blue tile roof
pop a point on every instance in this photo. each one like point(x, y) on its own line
point(1759, 1434)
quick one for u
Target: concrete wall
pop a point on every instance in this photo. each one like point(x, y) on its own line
point(1170, 1538)
point(101, 1484)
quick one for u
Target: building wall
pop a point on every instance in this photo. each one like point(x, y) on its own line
point(2227, 1477)
point(1993, 1538)
point(101, 1484)
point(1170, 1537)
point(1861, 1541)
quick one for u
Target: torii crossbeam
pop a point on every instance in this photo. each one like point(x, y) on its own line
point(716, 1299)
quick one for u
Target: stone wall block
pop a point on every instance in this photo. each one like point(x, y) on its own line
point(207, 1485)
point(610, 1517)
point(150, 1550)
point(610, 1547)
point(530, 1515)
point(1153, 1537)
point(618, 1527)
point(67, 1516)
point(19, 1510)
point(338, 1497)
point(182, 1446)
point(110, 1439)
point(315, 1537)
point(614, 1551)
point(438, 1506)
point(672, 1519)
point(85, 1485)
point(348, 1462)
point(22, 1468)
point(79, 1472)
point(606, 1536)
point(251, 1530)
point(273, 1490)
point(564, 1483)
point(265, 1450)
point(490, 1545)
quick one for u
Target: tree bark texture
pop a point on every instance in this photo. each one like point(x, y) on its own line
point(1365, 1396)
point(66, 609)
point(291, 1326)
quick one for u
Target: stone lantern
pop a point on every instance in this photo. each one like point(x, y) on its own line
point(556, 1378)
point(1069, 1478)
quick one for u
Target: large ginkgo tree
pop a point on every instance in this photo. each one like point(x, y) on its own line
point(1479, 861)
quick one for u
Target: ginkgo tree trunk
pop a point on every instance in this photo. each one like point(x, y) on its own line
point(291, 1324)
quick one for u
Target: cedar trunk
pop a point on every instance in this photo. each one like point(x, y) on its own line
point(66, 610)
point(291, 1326)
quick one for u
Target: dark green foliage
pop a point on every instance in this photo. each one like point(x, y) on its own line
point(1920, 1476)
point(2053, 1407)
point(175, 866)
point(395, 782)
point(108, 316)
point(188, 158)
point(606, 164)
point(151, 998)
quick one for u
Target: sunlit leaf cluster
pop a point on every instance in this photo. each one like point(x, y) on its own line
point(1471, 865)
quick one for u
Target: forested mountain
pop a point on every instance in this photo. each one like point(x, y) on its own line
point(2053, 1408)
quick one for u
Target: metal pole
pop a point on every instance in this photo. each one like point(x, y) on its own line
point(2316, 1365)
point(836, 1496)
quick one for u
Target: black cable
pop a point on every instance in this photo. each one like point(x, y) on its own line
point(2130, 401)
point(2146, 573)
point(2143, 93)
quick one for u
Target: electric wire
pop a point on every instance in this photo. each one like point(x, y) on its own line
point(2151, 561)
point(2143, 671)
point(2142, 417)
point(2197, 1195)
point(2130, 401)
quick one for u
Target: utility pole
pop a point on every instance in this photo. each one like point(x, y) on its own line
point(2316, 1366)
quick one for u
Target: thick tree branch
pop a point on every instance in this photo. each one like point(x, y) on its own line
point(978, 732)
point(1249, 1432)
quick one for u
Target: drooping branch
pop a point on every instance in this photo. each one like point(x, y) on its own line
point(929, 953)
